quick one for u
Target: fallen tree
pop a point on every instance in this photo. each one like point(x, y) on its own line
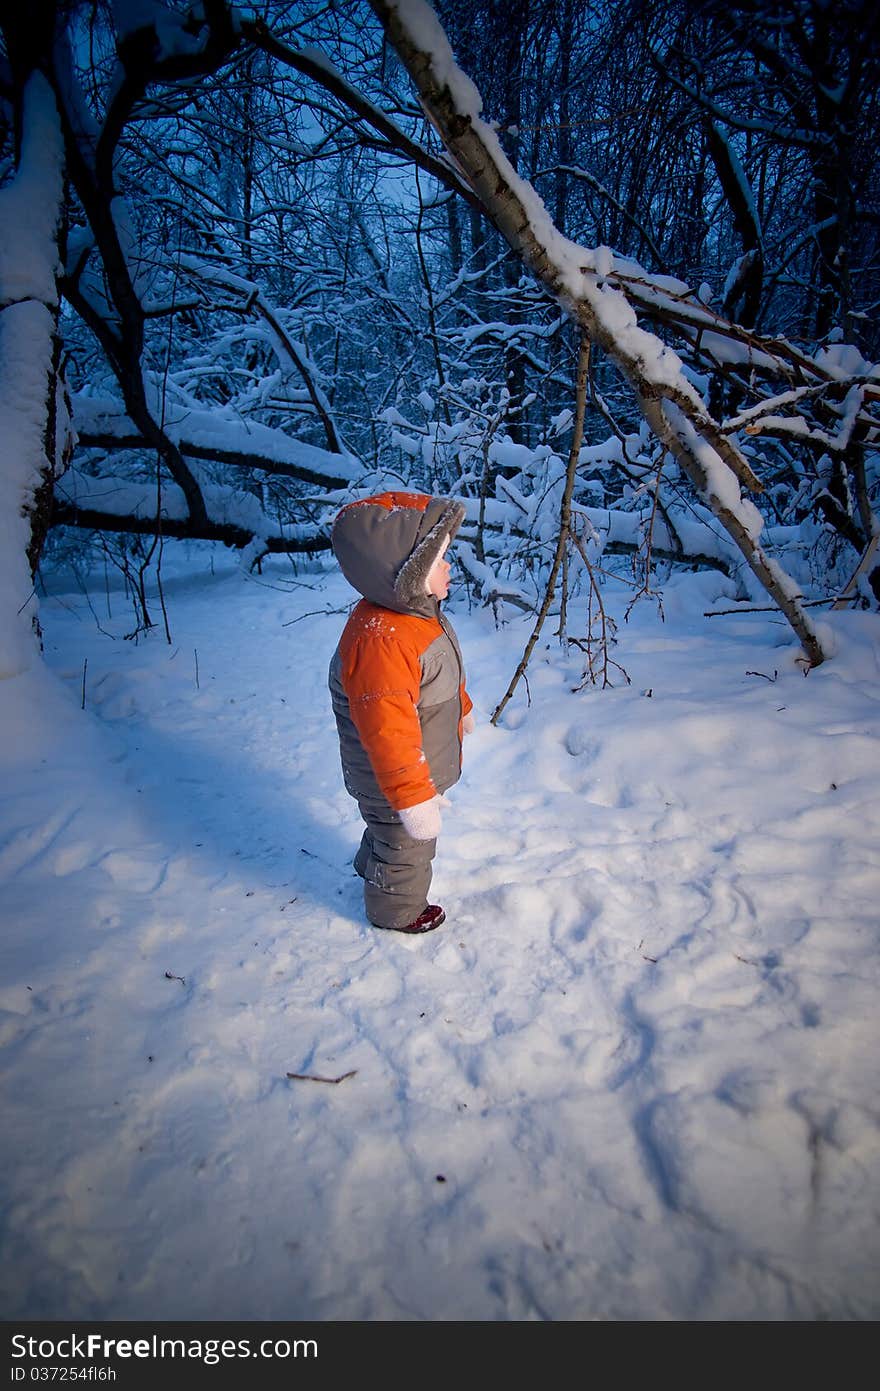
point(579, 279)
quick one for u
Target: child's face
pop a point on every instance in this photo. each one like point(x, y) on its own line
point(438, 575)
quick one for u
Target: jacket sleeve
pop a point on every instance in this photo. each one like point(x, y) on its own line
point(382, 679)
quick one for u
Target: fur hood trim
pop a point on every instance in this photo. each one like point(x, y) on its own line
point(411, 581)
point(387, 544)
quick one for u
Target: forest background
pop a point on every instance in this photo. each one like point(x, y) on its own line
point(256, 260)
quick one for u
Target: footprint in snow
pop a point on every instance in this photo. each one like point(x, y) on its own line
point(72, 858)
point(139, 873)
point(29, 842)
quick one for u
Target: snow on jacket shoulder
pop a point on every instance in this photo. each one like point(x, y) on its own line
point(397, 678)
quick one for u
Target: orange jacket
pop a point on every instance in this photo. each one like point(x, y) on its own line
point(405, 692)
point(397, 679)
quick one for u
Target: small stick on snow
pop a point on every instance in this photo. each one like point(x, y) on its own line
point(313, 1077)
point(169, 976)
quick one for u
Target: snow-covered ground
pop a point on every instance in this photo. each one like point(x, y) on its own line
point(633, 1077)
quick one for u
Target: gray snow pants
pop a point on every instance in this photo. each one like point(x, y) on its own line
point(396, 869)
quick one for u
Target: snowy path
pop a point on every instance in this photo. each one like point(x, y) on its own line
point(633, 1077)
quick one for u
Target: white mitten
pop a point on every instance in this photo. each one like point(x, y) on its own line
point(468, 724)
point(422, 822)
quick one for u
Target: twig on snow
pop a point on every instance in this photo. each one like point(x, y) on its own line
point(313, 1077)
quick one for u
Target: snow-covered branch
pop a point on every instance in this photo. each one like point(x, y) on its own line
point(216, 434)
point(578, 277)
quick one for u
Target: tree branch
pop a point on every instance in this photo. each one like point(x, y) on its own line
point(320, 70)
point(87, 518)
point(676, 414)
point(94, 439)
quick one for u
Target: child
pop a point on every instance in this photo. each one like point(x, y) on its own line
point(397, 685)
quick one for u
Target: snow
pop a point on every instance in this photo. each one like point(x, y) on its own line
point(218, 428)
point(225, 505)
point(844, 360)
point(501, 331)
point(25, 362)
point(641, 1054)
point(506, 453)
point(426, 32)
point(29, 204)
point(730, 352)
point(721, 482)
point(490, 585)
point(603, 261)
point(562, 421)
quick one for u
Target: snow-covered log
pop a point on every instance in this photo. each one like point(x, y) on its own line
point(232, 516)
point(216, 435)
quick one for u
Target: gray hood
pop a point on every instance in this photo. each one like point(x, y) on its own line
point(387, 544)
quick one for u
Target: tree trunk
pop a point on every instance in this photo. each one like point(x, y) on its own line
point(30, 430)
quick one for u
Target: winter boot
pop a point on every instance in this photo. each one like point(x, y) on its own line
point(432, 917)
